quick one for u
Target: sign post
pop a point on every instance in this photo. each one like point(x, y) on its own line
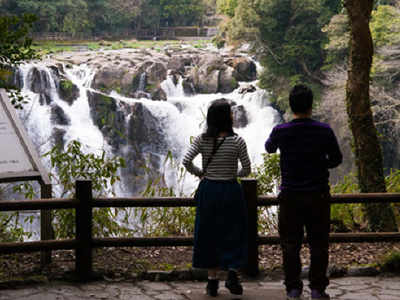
point(20, 162)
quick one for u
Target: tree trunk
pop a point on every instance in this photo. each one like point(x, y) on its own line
point(366, 144)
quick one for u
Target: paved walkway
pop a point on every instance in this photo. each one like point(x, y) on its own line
point(346, 288)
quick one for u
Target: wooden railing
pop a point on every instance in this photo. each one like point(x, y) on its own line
point(85, 242)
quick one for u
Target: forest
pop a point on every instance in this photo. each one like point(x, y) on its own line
point(118, 17)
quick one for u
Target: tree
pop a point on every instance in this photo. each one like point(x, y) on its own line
point(15, 47)
point(288, 39)
point(367, 149)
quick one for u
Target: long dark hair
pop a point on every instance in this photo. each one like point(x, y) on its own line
point(219, 119)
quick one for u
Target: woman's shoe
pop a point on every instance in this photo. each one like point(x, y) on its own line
point(212, 287)
point(232, 283)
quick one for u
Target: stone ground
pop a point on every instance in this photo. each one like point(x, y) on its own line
point(345, 288)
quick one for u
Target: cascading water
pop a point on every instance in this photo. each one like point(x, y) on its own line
point(189, 121)
point(175, 120)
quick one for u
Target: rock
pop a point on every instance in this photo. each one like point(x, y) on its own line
point(227, 81)
point(39, 80)
point(335, 271)
point(177, 63)
point(206, 75)
point(158, 94)
point(45, 98)
point(205, 82)
point(58, 116)
point(108, 118)
point(68, 91)
point(240, 119)
point(245, 68)
point(108, 79)
point(57, 136)
point(362, 271)
point(144, 130)
point(247, 89)
point(188, 86)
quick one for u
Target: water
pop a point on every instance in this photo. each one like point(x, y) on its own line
point(179, 118)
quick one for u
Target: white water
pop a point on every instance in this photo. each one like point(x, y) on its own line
point(181, 118)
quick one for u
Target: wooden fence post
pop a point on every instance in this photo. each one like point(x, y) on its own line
point(83, 219)
point(46, 229)
point(250, 193)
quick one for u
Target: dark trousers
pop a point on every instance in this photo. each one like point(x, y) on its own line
point(312, 211)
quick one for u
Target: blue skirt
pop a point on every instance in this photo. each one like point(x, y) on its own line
point(220, 237)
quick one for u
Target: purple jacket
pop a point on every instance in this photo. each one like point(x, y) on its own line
point(308, 149)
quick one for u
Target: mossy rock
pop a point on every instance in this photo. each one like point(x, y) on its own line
point(68, 91)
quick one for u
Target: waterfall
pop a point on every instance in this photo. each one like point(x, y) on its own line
point(178, 119)
point(142, 82)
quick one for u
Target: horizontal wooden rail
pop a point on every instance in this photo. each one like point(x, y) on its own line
point(37, 204)
point(343, 199)
point(359, 237)
point(85, 242)
point(143, 202)
point(142, 242)
point(8, 248)
point(61, 203)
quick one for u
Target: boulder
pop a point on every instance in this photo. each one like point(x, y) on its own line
point(245, 68)
point(240, 119)
point(57, 137)
point(144, 130)
point(108, 117)
point(227, 82)
point(58, 116)
point(108, 78)
point(205, 76)
point(247, 89)
point(68, 91)
point(38, 80)
point(188, 86)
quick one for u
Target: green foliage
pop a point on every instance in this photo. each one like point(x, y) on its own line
point(70, 164)
point(391, 262)
point(268, 177)
point(73, 163)
point(352, 216)
point(227, 7)
point(15, 47)
point(11, 229)
point(385, 26)
point(116, 17)
point(338, 33)
point(268, 174)
point(102, 171)
point(163, 221)
point(286, 35)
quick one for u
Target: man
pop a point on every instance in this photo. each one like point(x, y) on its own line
point(308, 149)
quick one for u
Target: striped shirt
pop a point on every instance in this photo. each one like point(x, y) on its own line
point(224, 164)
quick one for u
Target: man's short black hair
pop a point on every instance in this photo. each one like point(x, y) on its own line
point(301, 99)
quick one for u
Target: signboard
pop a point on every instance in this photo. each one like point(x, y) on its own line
point(18, 158)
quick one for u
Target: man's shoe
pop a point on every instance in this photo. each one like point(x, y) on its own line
point(320, 295)
point(212, 287)
point(294, 294)
point(232, 283)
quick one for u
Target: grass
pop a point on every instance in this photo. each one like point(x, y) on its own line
point(49, 47)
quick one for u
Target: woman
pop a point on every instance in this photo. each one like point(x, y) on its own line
point(221, 225)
